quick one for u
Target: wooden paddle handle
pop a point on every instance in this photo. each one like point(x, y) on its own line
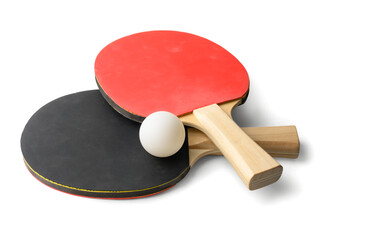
point(279, 141)
point(254, 165)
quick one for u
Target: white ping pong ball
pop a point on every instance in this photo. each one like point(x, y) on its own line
point(162, 134)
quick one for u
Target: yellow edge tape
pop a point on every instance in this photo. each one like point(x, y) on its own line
point(87, 190)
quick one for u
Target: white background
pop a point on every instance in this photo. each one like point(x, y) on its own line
point(311, 65)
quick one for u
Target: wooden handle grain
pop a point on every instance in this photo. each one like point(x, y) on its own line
point(254, 165)
point(279, 141)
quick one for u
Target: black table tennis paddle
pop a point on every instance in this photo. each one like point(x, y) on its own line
point(78, 144)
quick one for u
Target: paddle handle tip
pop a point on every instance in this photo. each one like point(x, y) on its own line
point(254, 165)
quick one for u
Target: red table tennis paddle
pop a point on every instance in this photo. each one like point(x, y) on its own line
point(193, 78)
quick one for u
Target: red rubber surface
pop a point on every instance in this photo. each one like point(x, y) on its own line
point(168, 71)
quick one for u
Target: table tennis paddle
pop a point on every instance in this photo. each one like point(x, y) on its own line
point(193, 78)
point(78, 144)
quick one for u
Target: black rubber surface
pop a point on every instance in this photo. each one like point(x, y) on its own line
point(79, 144)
